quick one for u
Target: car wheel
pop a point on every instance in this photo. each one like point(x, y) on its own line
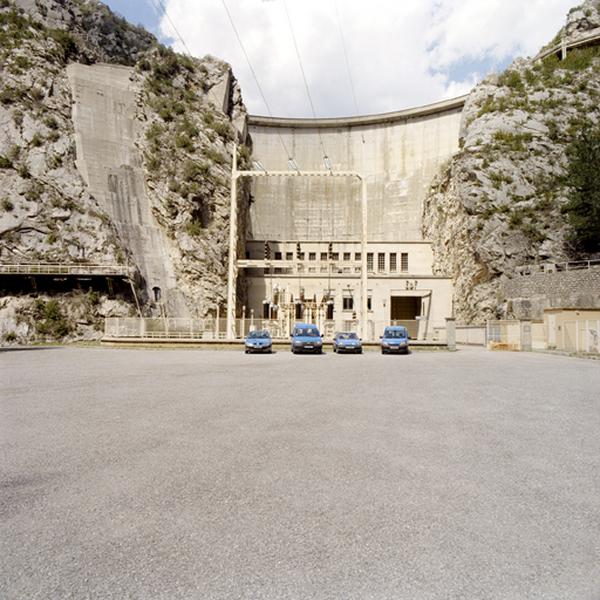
point(382, 351)
point(359, 351)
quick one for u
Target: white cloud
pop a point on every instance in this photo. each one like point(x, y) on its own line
point(402, 53)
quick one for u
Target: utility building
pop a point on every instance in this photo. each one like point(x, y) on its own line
point(303, 257)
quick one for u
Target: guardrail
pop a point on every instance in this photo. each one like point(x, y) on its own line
point(589, 39)
point(575, 265)
point(66, 269)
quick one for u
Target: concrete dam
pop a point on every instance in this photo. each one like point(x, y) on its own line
point(313, 224)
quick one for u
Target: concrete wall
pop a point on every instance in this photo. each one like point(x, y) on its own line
point(400, 153)
point(105, 128)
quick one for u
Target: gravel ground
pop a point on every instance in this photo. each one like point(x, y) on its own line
point(205, 474)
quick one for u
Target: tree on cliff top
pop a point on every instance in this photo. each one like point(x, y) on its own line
point(583, 180)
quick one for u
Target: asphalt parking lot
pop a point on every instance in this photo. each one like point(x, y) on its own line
point(213, 474)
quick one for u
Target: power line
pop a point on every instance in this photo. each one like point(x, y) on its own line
point(347, 61)
point(161, 5)
point(260, 90)
point(339, 24)
point(312, 106)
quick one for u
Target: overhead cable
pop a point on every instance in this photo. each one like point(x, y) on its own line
point(164, 10)
point(264, 99)
point(310, 101)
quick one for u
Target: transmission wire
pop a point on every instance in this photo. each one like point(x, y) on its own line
point(312, 106)
point(264, 99)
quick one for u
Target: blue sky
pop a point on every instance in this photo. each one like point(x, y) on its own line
point(401, 53)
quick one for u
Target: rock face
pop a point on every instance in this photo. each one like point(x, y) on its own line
point(497, 204)
point(183, 115)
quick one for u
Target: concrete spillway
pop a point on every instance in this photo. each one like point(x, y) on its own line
point(399, 153)
point(105, 132)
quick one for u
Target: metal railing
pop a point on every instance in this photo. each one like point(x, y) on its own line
point(575, 265)
point(66, 269)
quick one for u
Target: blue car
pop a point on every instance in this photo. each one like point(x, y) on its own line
point(306, 338)
point(394, 339)
point(347, 342)
point(258, 341)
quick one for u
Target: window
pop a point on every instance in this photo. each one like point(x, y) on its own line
point(370, 262)
point(346, 255)
point(404, 262)
point(348, 303)
point(357, 256)
point(369, 303)
point(381, 261)
point(289, 256)
point(277, 255)
point(335, 256)
point(393, 265)
point(312, 256)
point(323, 256)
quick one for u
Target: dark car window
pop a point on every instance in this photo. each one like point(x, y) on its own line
point(258, 334)
point(347, 336)
point(395, 333)
point(306, 332)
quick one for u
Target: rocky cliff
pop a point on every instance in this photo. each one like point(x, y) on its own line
point(498, 203)
point(185, 114)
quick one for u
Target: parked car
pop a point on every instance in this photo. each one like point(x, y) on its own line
point(394, 339)
point(306, 338)
point(258, 341)
point(347, 342)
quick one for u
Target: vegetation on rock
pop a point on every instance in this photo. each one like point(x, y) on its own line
point(583, 181)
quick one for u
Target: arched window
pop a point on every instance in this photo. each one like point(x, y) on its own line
point(156, 292)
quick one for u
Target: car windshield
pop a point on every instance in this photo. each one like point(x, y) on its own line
point(347, 336)
point(395, 333)
point(258, 334)
point(306, 332)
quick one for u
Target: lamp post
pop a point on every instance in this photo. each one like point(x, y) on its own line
point(262, 172)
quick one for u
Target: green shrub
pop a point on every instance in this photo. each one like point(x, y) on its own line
point(184, 142)
point(93, 297)
point(7, 205)
point(583, 181)
point(50, 320)
point(66, 46)
point(512, 80)
point(53, 136)
point(513, 142)
point(194, 228)
point(55, 161)
point(50, 122)
point(195, 171)
point(10, 95)
point(23, 171)
point(34, 192)
point(154, 132)
point(37, 140)
point(5, 163)
point(215, 156)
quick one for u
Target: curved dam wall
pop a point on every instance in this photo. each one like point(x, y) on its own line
point(399, 153)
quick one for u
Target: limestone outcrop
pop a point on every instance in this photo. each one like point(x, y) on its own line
point(497, 204)
point(58, 204)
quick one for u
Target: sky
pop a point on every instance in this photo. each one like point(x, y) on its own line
point(401, 53)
